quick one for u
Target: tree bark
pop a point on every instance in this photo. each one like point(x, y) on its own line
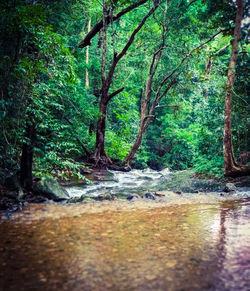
point(26, 177)
point(232, 169)
point(100, 156)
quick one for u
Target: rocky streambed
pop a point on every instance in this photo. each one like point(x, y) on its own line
point(154, 185)
point(148, 185)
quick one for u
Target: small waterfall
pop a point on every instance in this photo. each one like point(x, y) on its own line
point(134, 181)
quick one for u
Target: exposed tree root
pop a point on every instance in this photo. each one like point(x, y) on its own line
point(238, 171)
point(103, 161)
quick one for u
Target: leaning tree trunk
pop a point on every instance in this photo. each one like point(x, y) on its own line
point(232, 169)
point(27, 158)
point(130, 156)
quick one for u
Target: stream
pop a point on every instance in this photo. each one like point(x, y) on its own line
point(189, 242)
point(121, 183)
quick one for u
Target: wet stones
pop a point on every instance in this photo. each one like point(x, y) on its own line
point(133, 197)
point(229, 187)
point(103, 197)
point(78, 199)
point(149, 195)
point(159, 195)
point(146, 178)
point(51, 189)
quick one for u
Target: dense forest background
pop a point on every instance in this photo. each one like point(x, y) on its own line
point(166, 92)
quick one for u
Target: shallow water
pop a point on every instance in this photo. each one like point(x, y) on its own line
point(127, 246)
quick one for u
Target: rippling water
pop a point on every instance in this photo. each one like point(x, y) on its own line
point(116, 182)
point(199, 246)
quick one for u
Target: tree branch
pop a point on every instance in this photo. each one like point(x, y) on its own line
point(220, 50)
point(128, 44)
point(98, 26)
point(158, 97)
point(77, 138)
point(149, 116)
point(172, 83)
point(115, 93)
point(185, 57)
point(117, 57)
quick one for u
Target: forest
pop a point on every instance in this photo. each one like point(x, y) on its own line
point(123, 84)
point(124, 145)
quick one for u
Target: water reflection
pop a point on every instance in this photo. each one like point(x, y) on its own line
point(181, 247)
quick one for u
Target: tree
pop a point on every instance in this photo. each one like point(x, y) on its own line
point(100, 157)
point(157, 87)
point(232, 169)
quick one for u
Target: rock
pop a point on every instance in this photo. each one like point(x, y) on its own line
point(103, 197)
point(78, 199)
point(165, 171)
point(146, 178)
point(149, 196)
point(84, 171)
point(133, 197)
point(51, 189)
point(34, 197)
point(229, 187)
point(159, 195)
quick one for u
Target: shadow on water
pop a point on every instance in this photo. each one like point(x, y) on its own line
point(177, 247)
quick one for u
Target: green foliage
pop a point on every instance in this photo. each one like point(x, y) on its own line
point(210, 166)
point(117, 147)
point(43, 83)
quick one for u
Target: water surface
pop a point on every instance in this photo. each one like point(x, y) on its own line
point(127, 246)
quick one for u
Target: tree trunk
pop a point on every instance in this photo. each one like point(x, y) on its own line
point(143, 119)
point(130, 156)
point(27, 158)
point(87, 59)
point(146, 119)
point(100, 156)
point(232, 169)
